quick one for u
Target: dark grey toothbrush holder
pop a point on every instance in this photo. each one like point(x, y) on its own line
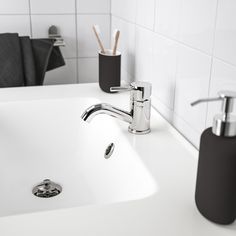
point(109, 70)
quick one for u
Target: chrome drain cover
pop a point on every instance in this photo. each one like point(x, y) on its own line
point(47, 189)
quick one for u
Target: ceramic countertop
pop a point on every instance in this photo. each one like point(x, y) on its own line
point(170, 159)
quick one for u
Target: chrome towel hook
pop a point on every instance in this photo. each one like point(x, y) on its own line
point(54, 33)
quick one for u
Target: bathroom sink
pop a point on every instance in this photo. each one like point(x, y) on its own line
point(46, 139)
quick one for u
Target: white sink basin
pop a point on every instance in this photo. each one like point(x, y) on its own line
point(44, 139)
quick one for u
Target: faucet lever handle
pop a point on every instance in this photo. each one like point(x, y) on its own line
point(121, 89)
point(141, 90)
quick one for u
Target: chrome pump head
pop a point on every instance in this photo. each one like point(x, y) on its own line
point(224, 124)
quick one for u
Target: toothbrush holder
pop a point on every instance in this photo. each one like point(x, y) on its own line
point(109, 70)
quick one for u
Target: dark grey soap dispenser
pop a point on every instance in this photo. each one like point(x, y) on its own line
point(216, 178)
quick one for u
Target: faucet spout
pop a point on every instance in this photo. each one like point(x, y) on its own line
point(108, 109)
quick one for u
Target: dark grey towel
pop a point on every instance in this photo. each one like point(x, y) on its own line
point(11, 67)
point(24, 61)
point(46, 56)
point(28, 61)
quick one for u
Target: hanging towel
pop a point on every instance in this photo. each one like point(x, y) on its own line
point(28, 62)
point(46, 56)
point(24, 61)
point(11, 67)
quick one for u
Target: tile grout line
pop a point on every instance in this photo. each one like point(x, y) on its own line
point(212, 60)
point(110, 36)
point(176, 77)
point(155, 15)
point(135, 41)
point(52, 14)
point(30, 19)
point(224, 61)
point(77, 42)
point(14, 14)
point(176, 71)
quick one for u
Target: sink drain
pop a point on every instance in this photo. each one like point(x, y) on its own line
point(47, 189)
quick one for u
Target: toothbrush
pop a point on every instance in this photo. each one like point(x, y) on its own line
point(116, 35)
point(97, 32)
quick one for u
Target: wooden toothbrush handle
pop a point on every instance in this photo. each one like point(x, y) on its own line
point(116, 43)
point(99, 41)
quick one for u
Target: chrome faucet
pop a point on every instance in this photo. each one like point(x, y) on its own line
point(140, 108)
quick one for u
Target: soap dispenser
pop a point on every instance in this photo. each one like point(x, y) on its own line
point(216, 178)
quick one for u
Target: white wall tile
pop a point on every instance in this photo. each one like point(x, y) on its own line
point(192, 82)
point(126, 76)
point(223, 78)
point(93, 6)
point(126, 43)
point(143, 59)
point(88, 70)
point(14, 7)
point(187, 130)
point(164, 69)
point(66, 25)
point(146, 13)
point(189, 21)
point(225, 46)
point(87, 43)
point(166, 112)
point(15, 24)
point(124, 9)
point(52, 6)
point(198, 23)
point(168, 15)
point(64, 75)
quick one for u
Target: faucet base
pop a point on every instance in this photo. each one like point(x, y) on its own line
point(138, 132)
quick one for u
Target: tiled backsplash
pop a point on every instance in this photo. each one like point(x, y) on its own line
point(185, 48)
point(74, 19)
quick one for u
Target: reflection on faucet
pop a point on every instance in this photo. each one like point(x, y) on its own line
point(104, 108)
point(139, 115)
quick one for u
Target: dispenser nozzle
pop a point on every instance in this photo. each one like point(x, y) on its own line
point(205, 100)
point(225, 123)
